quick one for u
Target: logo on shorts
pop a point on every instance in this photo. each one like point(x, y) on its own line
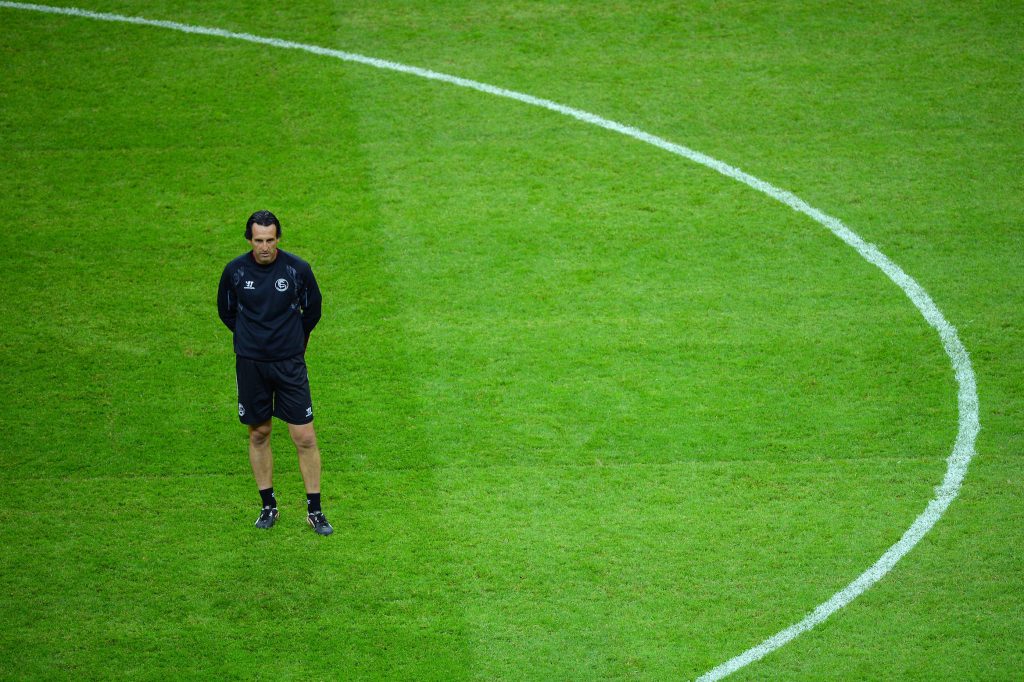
point(281, 284)
point(241, 410)
point(309, 411)
point(250, 284)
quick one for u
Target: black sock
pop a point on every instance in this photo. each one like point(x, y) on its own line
point(267, 495)
point(312, 502)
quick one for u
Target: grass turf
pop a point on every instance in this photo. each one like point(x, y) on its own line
point(587, 410)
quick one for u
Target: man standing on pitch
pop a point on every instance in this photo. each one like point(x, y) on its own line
point(271, 301)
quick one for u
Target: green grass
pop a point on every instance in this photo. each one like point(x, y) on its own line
point(588, 411)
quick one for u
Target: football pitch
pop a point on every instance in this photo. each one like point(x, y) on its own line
point(592, 405)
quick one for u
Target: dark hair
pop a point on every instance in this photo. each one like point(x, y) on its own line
point(261, 218)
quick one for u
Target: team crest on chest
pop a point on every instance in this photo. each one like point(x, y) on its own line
point(281, 284)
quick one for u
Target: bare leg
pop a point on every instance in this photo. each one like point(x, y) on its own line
point(304, 437)
point(260, 457)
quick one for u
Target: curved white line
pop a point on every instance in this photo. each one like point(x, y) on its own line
point(967, 396)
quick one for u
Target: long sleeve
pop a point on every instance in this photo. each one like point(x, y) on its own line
point(311, 302)
point(227, 303)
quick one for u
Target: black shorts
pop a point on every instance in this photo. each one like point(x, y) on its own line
point(278, 388)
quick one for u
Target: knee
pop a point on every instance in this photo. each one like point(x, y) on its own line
point(259, 435)
point(304, 439)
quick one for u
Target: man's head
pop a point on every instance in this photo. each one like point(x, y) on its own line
point(263, 232)
point(262, 218)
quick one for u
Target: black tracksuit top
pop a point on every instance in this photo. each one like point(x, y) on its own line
point(270, 308)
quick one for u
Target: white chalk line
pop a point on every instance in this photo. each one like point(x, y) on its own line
point(967, 394)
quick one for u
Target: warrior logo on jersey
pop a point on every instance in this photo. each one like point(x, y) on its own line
point(281, 284)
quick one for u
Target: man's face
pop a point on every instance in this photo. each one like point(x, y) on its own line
point(264, 243)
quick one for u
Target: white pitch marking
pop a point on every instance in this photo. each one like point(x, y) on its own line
point(967, 395)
